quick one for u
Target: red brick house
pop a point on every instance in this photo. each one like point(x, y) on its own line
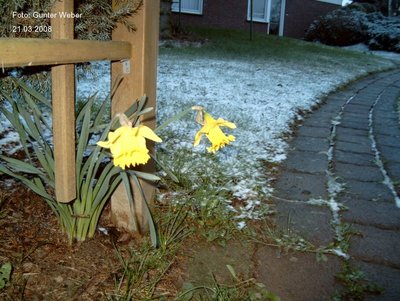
point(299, 14)
point(284, 17)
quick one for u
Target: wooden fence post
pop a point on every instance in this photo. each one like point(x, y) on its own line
point(63, 102)
point(140, 80)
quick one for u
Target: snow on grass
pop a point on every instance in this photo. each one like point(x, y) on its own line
point(9, 142)
point(262, 97)
point(97, 80)
point(364, 49)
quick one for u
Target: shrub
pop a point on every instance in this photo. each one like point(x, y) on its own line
point(340, 27)
point(383, 32)
point(378, 5)
point(350, 25)
point(363, 7)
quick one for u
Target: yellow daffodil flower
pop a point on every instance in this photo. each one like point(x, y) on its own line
point(128, 145)
point(211, 128)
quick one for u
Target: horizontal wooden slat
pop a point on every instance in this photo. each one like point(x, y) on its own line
point(34, 52)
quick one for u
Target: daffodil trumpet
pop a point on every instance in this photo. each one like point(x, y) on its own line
point(211, 128)
point(128, 144)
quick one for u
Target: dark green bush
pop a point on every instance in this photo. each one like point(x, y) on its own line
point(349, 26)
point(340, 27)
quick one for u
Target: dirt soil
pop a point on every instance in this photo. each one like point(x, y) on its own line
point(45, 266)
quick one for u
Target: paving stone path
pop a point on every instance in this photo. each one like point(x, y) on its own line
point(346, 154)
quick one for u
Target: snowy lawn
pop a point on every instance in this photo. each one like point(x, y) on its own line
point(260, 86)
point(262, 95)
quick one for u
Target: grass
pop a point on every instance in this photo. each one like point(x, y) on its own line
point(235, 44)
point(142, 266)
point(196, 203)
point(356, 285)
point(198, 185)
point(200, 176)
point(200, 189)
point(5, 274)
point(240, 290)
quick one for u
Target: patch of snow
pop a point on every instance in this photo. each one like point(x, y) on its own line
point(378, 160)
point(333, 187)
point(364, 49)
point(10, 143)
point(339, 252)
point(262, 97)
point(97, 80)
point(317, 202)
point(103, 230)
point(10, 183)
point(241, 225)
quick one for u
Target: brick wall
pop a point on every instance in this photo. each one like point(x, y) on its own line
point(233, 14)
point(301, 13)
point(222, 14)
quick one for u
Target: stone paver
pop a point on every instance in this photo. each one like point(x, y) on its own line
point(308, 162)
point(322, 120)
point(281, 275)
point(383, 276)
point(381, 129)
point(364, 212)
point(373, 191)
point(384, 140)
point(311, 222)
point(354, 158)
point(301, 186)
point(354, 124)
point(353, 147)
point(362, 173)
point(393, 170)
point(353, 132)
point(375, 245)
point(358, 139)
point(390, 153)
point(358, 107)
point(312, 131)
point(311, 144)
point(371, 207)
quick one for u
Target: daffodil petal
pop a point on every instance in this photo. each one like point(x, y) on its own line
point(128, 145)
point(105, 144)
point(197, 138)
point(208, 118)
point(113, 136)
point(148, 133)
point(222, 122)
point(211, 128)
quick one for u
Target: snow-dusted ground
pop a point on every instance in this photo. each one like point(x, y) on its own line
point(262, 97)
point(89, 83)
point(385, 54)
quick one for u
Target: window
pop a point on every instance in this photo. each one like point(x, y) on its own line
point(338, 2)
point(188, 6)
point(261, 10)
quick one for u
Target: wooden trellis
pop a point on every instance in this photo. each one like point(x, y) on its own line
point(136, 50)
